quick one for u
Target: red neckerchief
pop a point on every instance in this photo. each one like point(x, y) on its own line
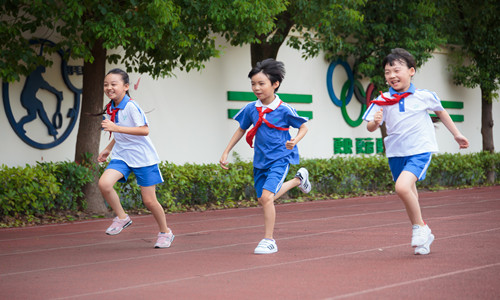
point(112, 112)
point(390, 101)
point(251, 133)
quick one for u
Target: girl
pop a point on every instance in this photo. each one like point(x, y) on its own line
point(275, 150)
point(133, 151)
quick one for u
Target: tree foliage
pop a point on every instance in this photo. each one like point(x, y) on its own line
point(473, 30)
point(156, 36)
point(389, 24)
point(308, 26)
point(147, 36)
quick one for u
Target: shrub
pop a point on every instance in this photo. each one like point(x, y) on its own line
point(46, 187)
point(191, 185)
point(34, 190)
point(27, 190)
point(71, 178)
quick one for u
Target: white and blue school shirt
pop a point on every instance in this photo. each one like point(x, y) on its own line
point(410, 130)
point(269, 143)
point(135, 150)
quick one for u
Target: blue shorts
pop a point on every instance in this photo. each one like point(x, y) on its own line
point(416, 164)
point(270, 179)
point(146, 176)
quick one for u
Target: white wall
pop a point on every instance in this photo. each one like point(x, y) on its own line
point(188, 113)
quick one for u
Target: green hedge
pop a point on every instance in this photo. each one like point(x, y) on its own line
point(45, 187)
point(192, 185)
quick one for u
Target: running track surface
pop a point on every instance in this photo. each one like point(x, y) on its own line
point(357, 248)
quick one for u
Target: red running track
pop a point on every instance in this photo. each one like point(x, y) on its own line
point(357, 248)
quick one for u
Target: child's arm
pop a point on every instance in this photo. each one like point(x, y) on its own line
point(234, 140)
point(107, 125)
point(294, 141)
point(448, 122)
point(105, 153)
point(377, 120)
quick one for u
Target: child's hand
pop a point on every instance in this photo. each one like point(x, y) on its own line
point(378, 116)
point(223, 161)
point(103, 155)
point(107, 125)
point(290, 144)
point(462, 141)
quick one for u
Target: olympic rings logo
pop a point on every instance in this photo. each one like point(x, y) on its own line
point(350, 87)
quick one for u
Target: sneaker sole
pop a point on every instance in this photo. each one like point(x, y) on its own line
point(426, 248)
point(159, 247)
point(265, 252)
point(124, 226)
point(307, 189)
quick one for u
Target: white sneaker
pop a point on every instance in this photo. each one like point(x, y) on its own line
point(425, 248)
point(303, 175)
point(420, 235)
point(266, 246)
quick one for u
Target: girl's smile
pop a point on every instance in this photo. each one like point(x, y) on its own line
point(115, 88)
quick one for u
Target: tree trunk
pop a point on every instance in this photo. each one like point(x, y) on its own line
point(487, 128)
point(270, 44)
point(264, 50)
point(89, 130)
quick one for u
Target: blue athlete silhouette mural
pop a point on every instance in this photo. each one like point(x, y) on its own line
point(34, 105)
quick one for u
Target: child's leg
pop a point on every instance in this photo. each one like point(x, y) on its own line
point(149, 198)
point(407, 191)
point(267, 202)
point(271, 180)
point(290, 184)
point(106, 183)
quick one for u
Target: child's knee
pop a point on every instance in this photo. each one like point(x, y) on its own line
point(147, 201)
point(104, 184)
point(402, 188)
point(266, 198)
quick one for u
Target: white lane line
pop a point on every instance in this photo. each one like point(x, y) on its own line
point(239, 244)
point(232, 218)
point(128, 288)
point(248, 216)
point(398, 284)
point(241, 228)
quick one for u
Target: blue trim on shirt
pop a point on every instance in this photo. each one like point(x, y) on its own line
point(401, 103)
point(122, 105)
point(411, 89)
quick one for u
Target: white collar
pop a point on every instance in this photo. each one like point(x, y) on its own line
point(276, 102)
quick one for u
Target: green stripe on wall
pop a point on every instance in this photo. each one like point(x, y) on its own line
point(249, 96)
point(455, 118)
point(305, 113)
point(231, 113)
point(452, 104)
point(308, 114)
point(240, 96)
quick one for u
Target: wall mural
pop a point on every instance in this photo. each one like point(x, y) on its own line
point(59, 122)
